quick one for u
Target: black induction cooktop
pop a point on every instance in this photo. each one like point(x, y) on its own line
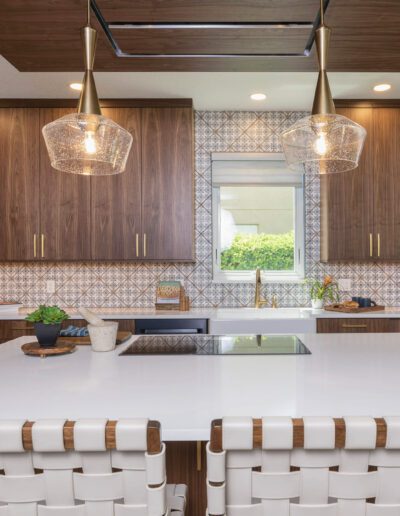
point(217, 345)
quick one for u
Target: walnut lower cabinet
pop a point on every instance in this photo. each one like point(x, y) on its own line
point(13, 329)
point(358, 325)
point(360, 209)
point(145, 213)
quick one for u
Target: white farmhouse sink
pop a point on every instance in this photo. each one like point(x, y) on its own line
point(262, 321)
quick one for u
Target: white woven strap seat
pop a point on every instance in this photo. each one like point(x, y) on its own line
point(86, 468)
point(315, 466)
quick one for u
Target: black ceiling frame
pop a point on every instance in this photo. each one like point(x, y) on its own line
point(206, 25)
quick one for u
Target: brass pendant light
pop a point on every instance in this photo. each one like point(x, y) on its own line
point(331, 142)
point(86, 142)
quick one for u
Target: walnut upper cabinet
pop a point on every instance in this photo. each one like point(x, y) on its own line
point(167, 184)
point(64, 206)
point(145, 213)
point(19, 173)
point(116, 200)
point(360, 209)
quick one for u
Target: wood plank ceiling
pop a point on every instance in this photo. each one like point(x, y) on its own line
point(43, 35)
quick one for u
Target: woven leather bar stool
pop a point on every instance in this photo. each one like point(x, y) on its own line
point(315, 466)
point(90, 467)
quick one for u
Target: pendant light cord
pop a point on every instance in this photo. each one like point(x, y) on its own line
point(322, 12)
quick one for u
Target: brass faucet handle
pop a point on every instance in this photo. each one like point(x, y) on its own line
point(274, 301)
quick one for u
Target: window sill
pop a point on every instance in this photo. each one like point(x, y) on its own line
point(250, 277)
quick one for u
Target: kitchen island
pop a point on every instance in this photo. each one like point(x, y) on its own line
point(355, 374)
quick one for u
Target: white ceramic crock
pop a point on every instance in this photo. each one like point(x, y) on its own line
point(104, 337)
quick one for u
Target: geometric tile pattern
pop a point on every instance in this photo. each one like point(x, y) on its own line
point(133, 285)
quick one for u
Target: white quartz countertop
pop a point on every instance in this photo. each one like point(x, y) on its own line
point(217, 314)
point(346, 374)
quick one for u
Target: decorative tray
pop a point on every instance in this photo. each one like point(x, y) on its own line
point(35, 350)
point(351, 310)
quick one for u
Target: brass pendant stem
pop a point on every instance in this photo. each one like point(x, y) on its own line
point(323, 102)
point(89, 102)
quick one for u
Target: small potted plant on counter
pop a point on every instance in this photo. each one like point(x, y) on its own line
point(47, 323)
point(321, 291)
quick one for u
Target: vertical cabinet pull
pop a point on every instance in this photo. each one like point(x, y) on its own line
point(379, 245)
point(137, 245)
point(144, 244)
point(371, 245)
point(42, 245)
point(198, 456)
point(34, 245)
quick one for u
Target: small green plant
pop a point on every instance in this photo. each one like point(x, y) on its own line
point(47, 315)
point(326, 289)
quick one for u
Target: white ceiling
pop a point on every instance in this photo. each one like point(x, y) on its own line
point(209, 90)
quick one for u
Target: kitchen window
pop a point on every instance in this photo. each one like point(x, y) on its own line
point(258, 218)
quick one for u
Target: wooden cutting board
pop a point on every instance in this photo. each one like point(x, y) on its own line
point(122, 336)
point(349, 310)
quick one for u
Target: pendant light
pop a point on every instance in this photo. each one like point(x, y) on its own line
point(87, 142)
point(330, 141)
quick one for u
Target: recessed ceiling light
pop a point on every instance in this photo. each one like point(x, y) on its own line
point(258, 96)
point(76, 86)
point(382, 87)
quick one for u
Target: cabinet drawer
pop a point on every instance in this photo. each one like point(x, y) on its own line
point(356, 325)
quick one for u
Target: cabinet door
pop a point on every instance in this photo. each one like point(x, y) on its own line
point(64, 205)
point(19, 174)
point(347, 202)
point(116, 200)
point(387, 183)
point(186, 464)
point(13, 329)
point(167, 184)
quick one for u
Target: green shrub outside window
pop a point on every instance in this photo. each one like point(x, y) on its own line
point(267, 251)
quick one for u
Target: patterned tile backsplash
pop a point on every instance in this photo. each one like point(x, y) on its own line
point(133, 285)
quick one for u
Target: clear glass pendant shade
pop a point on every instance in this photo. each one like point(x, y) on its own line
point(330, 141)
point(87, 144)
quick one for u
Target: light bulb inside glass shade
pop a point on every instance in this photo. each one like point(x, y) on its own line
point(330, 142)
point(90, 142)
point(87, 144)
point(321, 145)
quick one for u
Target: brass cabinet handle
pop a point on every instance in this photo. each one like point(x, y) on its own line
point(22, 328)
point(144, 244)
point(379, 245)
point(34, 245)
point(371, 245)
point(137, 245)
point(42, 242)
point(354, 325)
point(198, 456)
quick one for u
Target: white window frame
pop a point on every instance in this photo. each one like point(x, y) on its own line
point(295, 276)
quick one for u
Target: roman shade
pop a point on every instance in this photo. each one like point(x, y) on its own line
point(252, 168)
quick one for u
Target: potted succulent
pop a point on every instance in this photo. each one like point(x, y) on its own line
point(320, 291)
point(47, 323)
